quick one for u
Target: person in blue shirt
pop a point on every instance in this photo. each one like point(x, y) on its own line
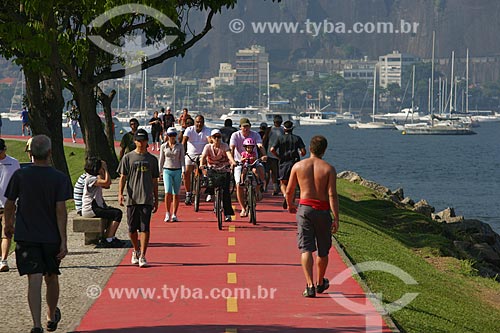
point(26, 122)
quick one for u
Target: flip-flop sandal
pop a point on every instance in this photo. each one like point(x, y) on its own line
point(243, 213)
point(52, 325)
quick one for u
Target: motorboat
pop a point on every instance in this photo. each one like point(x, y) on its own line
point(317, 117)
point(405, 115)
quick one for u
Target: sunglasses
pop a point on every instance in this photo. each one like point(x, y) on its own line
point(172, 134)
point(217, 136)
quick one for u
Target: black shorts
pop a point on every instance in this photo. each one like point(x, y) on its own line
point(273, 166)
point(314, 230)
point(139, 217)
point(33, 258)
point(110, 213)
point(285, 170)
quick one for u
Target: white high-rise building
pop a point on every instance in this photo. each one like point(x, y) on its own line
point(391, 67)
point(251, 68)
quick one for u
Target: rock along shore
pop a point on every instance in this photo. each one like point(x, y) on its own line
point(472, 239)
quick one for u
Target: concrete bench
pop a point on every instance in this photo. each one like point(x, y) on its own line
point(92, 227)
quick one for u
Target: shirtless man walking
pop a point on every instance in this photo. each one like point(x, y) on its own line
point(318, 199)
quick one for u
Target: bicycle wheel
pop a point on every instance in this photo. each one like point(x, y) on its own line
point(196, 192)
point(252, 205)
point(218, 206)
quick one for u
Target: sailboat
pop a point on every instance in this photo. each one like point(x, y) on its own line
point(16, 102)
point(439, 125)
point(373, 124)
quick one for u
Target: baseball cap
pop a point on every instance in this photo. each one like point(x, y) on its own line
point(263, 125)
point(171, 131)
point(214, 132)
point(168, 108)
point(2, 145)
point(245, 122)
point(28, 145)
point(288, 124)
point(141, 135)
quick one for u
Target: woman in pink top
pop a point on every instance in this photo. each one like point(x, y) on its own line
point(217, 155)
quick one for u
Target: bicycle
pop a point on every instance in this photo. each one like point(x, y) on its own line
point(217, 179)
point(196, 182)
point(250, 184)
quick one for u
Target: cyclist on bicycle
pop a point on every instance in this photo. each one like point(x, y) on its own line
point(217, 156)
point(236, 145)
point(194, 139)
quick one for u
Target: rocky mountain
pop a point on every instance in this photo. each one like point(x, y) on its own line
point(459, 24)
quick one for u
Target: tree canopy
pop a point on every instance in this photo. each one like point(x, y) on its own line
point(54, 42)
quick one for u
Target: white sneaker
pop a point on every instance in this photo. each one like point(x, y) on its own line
point(4, 266)
point(142, 262)
point(209, 198)
point(174, 218)
point(167, 217)
point(135, 257)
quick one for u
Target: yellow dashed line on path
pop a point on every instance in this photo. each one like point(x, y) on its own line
point(232, 228)
point(232, 304)
point(231, 330)
point(231, 241)
point(231, 278)
point(231, 258)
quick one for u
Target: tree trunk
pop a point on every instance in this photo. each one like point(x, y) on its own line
point(93, 132)
point(45, 105)
point(106, 101)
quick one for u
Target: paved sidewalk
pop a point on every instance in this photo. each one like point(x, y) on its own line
point(84, 266)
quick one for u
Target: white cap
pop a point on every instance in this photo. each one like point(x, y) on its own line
point(215, 131)
point(168, 108)
point(171, 130)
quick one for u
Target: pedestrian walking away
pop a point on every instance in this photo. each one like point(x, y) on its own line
point(171, 164)
point(40, 218)
point(8, 165)
point(156, 130)
point(25, 127)
point(139, 175)
point(288, 148)
point(227, 130)
point(318, 200)
point(273, 161)
point(73, 116)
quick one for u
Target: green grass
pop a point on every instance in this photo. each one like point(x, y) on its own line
point(75, 157)
point(452, 299)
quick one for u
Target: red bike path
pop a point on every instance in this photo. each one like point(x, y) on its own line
point(204, 264)
point(257, 264)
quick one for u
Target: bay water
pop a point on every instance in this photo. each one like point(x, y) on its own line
point(462, 172)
